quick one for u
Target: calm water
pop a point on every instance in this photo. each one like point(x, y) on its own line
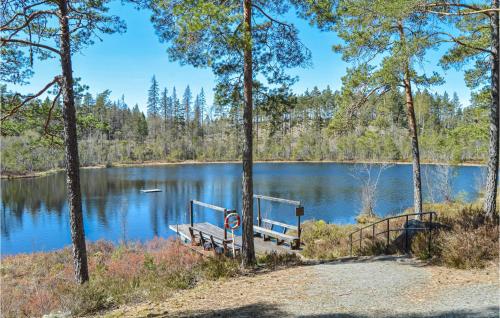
point(34, 212)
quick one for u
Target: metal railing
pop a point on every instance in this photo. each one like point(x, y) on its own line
point(388, 230)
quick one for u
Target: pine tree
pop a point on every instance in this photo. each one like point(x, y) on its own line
point(203, 104)
point(154, 98)
point(186, 103)
point(254, 43)
point(177, 114)
point(165, 108)
point(44, 29)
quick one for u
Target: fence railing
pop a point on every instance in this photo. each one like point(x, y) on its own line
point(225, 212)
point(371, 229)
point(299, 209)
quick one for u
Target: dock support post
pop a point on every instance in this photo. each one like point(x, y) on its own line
point(191, 221)
point(225, 230)
point(259, 217)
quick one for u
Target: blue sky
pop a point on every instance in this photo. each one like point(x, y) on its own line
point(125, 64)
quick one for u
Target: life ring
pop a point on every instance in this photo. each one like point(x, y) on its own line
point(232, 221)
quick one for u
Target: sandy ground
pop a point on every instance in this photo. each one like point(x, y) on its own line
point(371, 287)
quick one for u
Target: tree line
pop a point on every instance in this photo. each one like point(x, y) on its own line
point(249, 45)
point(309, 126)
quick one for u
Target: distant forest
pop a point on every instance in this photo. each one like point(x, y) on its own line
point(315, 125)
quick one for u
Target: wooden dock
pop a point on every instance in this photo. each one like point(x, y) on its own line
point(261, 246)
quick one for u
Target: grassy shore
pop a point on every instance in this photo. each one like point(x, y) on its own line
point(35, 174)
point(39, 283)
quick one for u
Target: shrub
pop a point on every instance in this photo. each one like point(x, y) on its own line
point(41, 283)
point(274, 260)
point(470, 242)
point(325, 241)
point(215, 268)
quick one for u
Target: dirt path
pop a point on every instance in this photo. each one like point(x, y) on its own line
point(375, 287)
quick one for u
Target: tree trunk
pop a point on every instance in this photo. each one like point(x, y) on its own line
point(71, 151)
point(412, 126)
point(492, 179)
point(248, 245)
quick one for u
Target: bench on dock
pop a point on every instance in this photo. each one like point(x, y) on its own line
point(266, 227)
point(210, 241)
point(210, 237)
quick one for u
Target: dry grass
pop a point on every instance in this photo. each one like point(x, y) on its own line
point(325, 241)
point(470, 242)
point(40, 283)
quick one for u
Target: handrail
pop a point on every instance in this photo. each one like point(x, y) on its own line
point(388, 230)
point(280, 200)
point(299, 209)
point(209, 206)
point(392, 217)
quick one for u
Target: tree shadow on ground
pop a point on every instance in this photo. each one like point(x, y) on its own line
point(266, 310)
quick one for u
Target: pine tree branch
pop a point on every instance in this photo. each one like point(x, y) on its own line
point(23, 13)
point(29, 43)
point(49, 115)
point(459, 42)
point(28, 19)
point(269, 17)
point(471, 9)
point(31, 97)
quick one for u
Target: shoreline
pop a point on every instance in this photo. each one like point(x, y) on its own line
point(198, 162)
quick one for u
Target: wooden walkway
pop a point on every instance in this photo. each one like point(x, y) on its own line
point(261, 246)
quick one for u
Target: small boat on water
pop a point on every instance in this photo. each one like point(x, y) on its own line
point(150, 190)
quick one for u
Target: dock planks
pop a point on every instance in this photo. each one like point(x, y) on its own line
point(261, 246)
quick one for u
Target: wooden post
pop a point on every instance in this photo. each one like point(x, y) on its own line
point(298, 226)
point(430, 233)
point(191, 213)
point(225, 230)
point(373, 234)
point(388, 233)
point(350, 242)
point(406, 235)
point(360, 238)
point(259, 217)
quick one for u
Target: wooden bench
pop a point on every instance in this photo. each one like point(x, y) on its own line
point(268, 231)
point(265, 227)
point(210, 241)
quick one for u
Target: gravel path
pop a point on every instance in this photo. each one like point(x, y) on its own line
point(373, 287)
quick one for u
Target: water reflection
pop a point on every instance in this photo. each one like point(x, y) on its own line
point(34, 213)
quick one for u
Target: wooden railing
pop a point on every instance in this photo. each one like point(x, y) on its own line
point(372, 230)
point(299, 209)
point(225, 212)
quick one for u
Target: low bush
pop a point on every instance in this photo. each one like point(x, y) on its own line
point(471, 241)
point(325, 241)
point(41, 283)
point(275, 260)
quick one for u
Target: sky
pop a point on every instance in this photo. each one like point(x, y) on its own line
point(125, 64)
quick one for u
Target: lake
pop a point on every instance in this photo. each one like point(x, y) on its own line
point(35, 217)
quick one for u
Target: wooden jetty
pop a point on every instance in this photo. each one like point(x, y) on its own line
point(261, 246)
point(205, 237)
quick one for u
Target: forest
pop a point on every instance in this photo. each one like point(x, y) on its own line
point(308, 126)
